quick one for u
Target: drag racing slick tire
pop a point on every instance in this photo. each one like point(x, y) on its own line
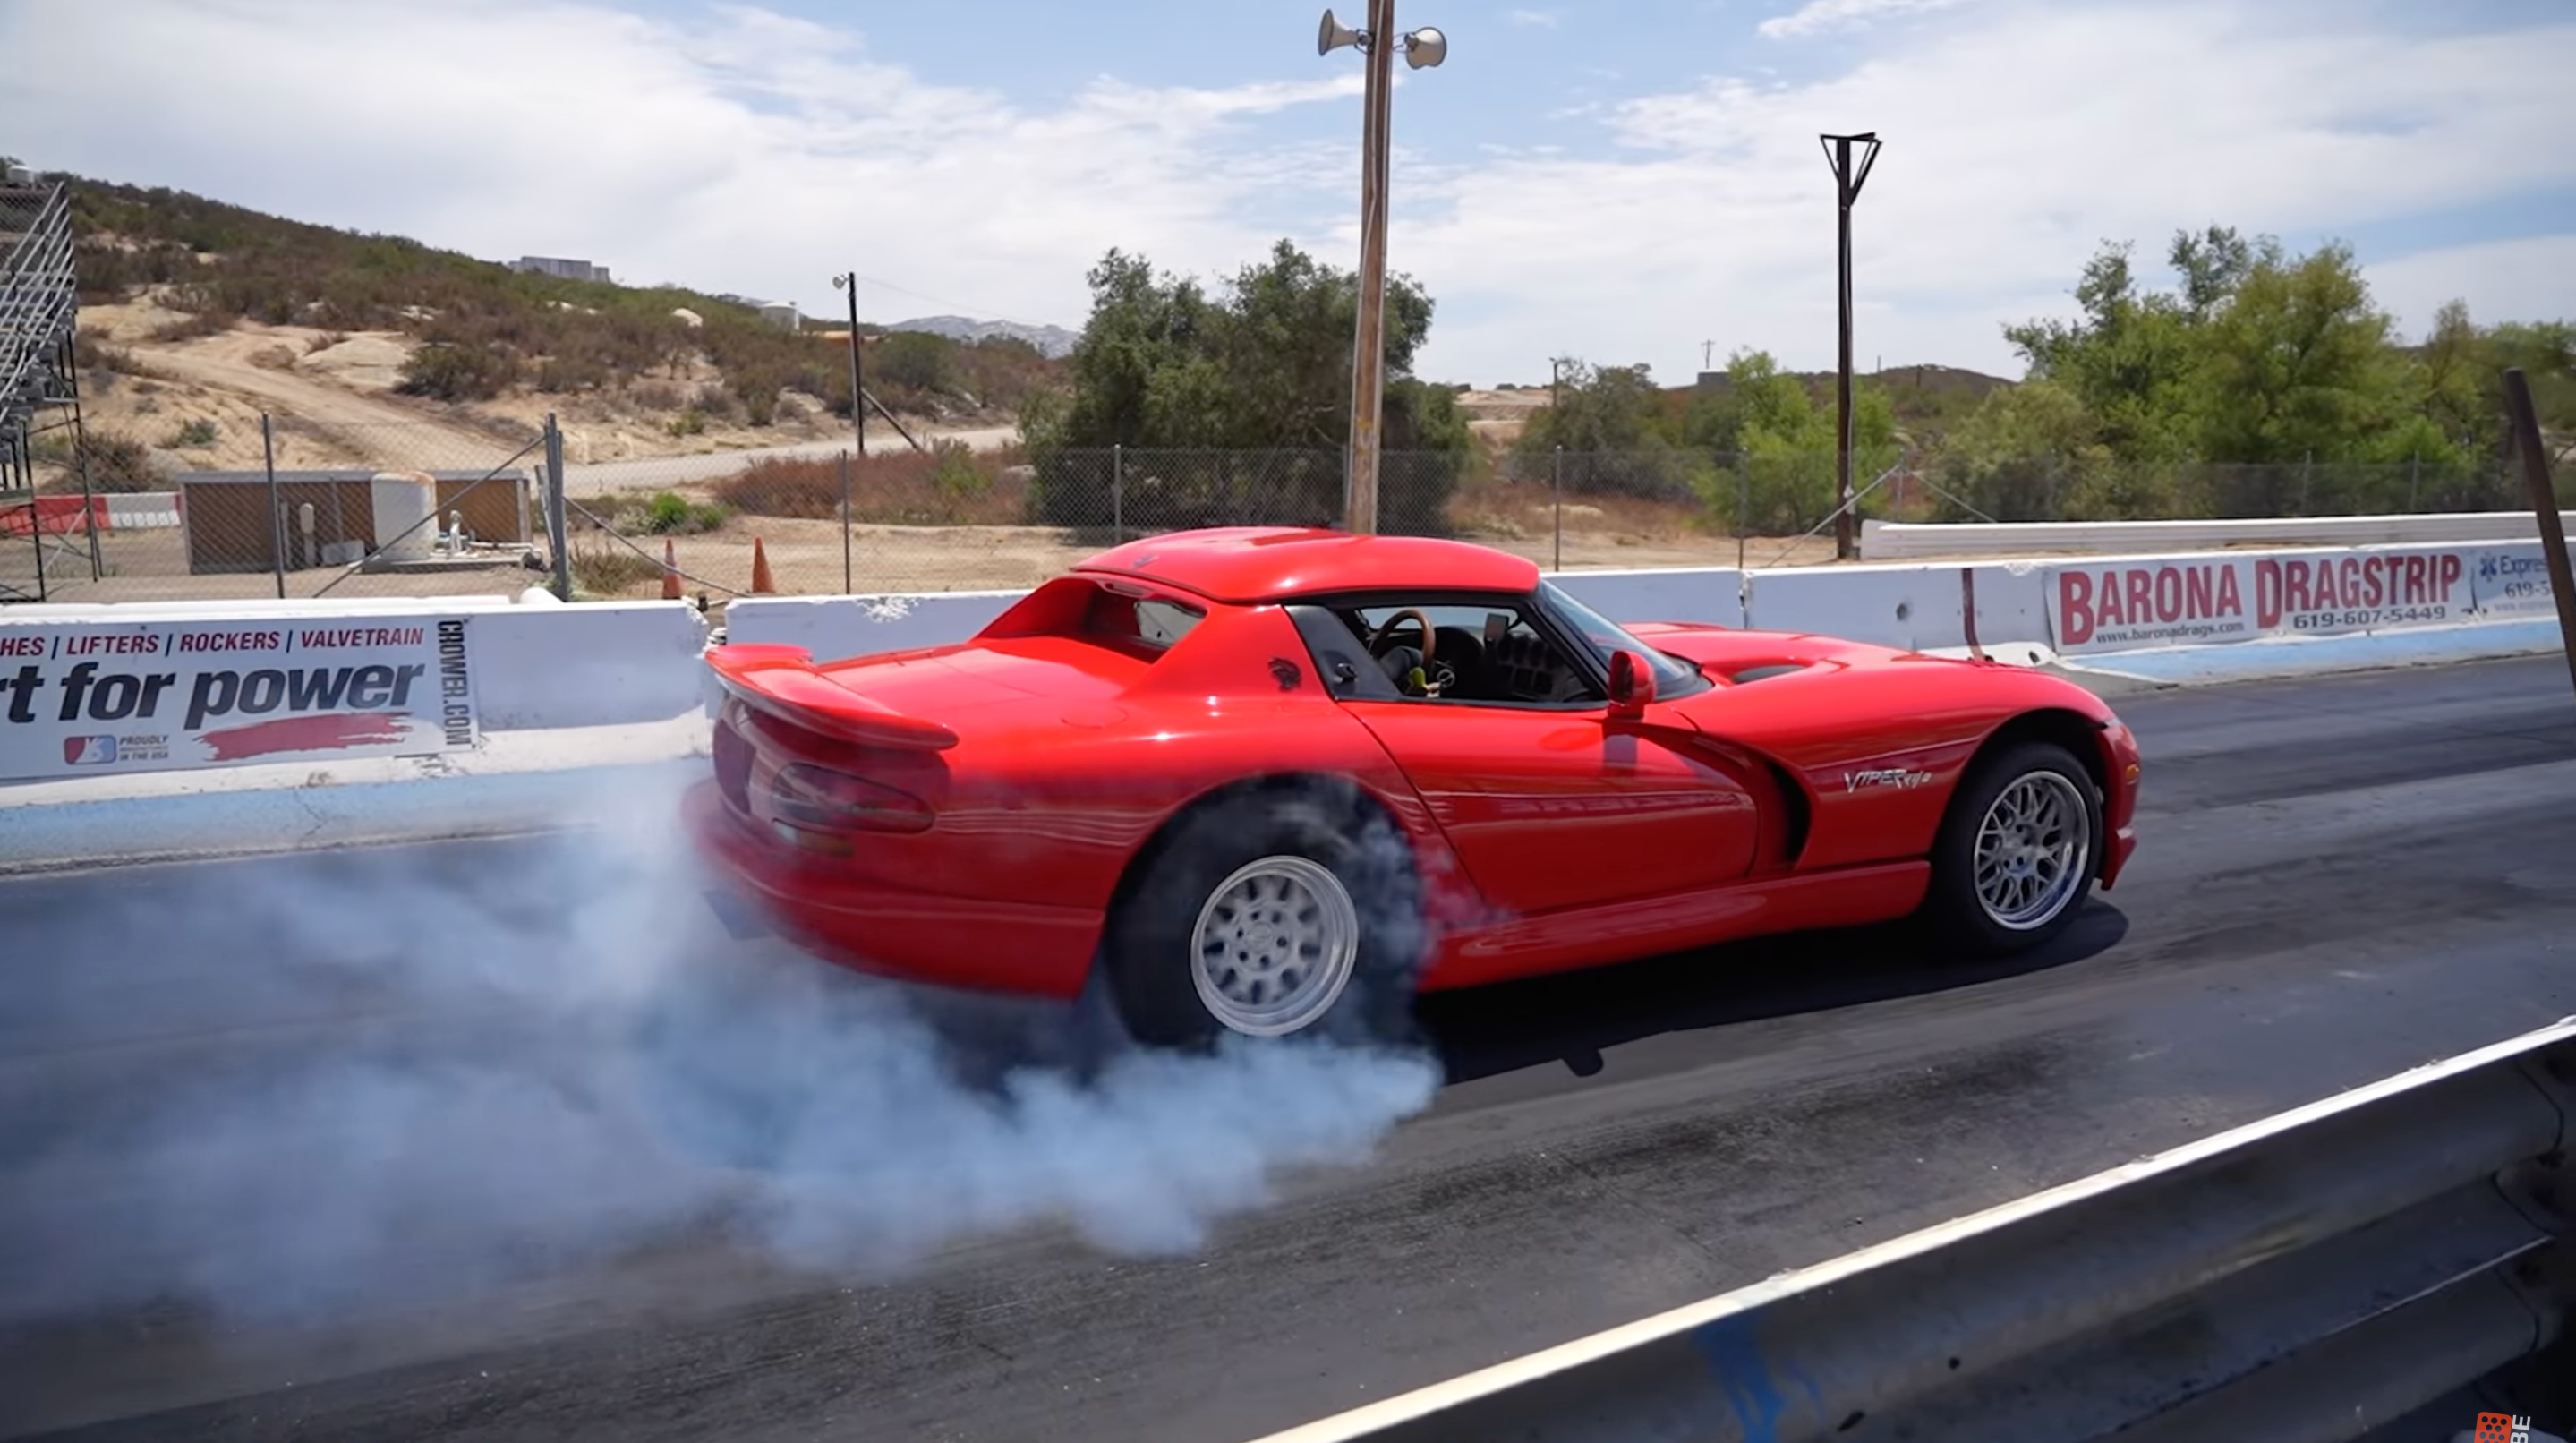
point(2017, 852)
point(1268, 914)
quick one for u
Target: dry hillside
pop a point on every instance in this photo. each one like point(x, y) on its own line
point(195, 401)
point(198, 316)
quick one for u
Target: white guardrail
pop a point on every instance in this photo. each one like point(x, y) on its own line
point(2311, 1276)
point(2024, 610)
point(143, 511)
point(530, 664)
point(1899, 540)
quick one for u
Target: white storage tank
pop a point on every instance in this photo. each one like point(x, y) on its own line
point(404, 503)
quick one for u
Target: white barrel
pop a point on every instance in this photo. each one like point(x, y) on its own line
point(404, 502)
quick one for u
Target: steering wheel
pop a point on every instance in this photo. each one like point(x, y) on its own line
point(1432, 681)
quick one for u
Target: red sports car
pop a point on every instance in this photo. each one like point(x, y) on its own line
point(1276, 781)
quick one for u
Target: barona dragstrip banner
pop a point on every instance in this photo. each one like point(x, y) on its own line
point(2115, 605)
point(90, 697)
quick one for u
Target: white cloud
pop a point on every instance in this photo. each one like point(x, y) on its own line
point(2500, 280)
point(2012, 151)
point(1818, 17)
point(763, 154)
point(750, 152)
point(1543, 18)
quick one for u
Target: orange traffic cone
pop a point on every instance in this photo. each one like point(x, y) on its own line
point(670, 572)
point(761, 582)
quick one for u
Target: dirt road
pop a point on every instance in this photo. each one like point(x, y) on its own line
point(655, 472)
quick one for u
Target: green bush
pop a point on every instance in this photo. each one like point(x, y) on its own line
point(609, 567)
point(670, 514)
point(952, 487)
point(915, 360)
point(115, 463)
point(448, 372)
point(953, 472)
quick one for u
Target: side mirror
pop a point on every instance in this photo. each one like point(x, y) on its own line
point(1632, 684)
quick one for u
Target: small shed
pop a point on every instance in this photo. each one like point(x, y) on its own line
point(231, 529)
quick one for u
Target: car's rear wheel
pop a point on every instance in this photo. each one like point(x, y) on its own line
point(2018, 851)
point(1269, 915)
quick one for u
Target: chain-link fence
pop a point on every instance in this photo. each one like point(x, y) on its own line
point(1660, 507)
point(297, 510)
point(280, 510)
point(947, 518)
point(2101, 489)
point(1669, 506)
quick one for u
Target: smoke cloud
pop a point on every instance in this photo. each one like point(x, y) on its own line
point(372, 1079)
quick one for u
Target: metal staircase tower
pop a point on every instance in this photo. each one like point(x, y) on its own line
point(39, 394)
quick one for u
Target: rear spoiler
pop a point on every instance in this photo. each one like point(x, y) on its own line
point(783, 682)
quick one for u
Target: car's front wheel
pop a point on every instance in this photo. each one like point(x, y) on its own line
point(1269, 915)
point(2018, 851)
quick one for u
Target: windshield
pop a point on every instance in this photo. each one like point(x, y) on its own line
point(1673, 676)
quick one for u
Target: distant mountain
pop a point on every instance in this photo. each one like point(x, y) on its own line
point(1054, 342)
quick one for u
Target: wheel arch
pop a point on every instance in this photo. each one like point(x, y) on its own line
point(2073, 730)
point(2079, 734)
point(1333, 789)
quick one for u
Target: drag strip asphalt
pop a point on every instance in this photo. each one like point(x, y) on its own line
point(2338, 878)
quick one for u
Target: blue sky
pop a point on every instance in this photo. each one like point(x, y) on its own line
point(1623, 180)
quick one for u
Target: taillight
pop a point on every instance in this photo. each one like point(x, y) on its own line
point(733, 766)
point(826, 800)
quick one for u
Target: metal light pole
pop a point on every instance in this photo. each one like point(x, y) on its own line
point(858, 398)
point(1425, 47)
point(1847, 184)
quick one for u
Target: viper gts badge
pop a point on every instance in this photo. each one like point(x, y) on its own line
point(1898, 777)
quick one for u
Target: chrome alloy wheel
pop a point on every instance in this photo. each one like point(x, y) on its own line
point(2032, 850)
point(1274, 946)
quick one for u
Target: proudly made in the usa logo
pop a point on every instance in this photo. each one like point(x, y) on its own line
point(89, 751)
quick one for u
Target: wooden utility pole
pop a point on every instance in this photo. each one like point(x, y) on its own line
point(1368, 356)
point(1847, 184)
point(2544, 507)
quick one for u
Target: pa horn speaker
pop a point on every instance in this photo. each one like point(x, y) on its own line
point(1334, 35)
point(1425, 46)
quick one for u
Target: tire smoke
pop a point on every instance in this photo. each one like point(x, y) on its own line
point(293, 1090)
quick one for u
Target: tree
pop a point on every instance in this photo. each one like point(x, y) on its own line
point(1263, 366)
point(916, 360)
point(2297, 364)
point(1162, 363)
point(2130, 359)
point(2273, 361)
point(1785, 442)
point(1610, 422)
point(2024, 454)
point(2212, 264)
point(2546, 353)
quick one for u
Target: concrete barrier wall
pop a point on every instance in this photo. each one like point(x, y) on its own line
point(539, 664)
point(258, 608)
point(2030, 610)
point(1707, 594)
point(595, 664)
point(1924, 608)
point(1894, 540)
point(836, 627)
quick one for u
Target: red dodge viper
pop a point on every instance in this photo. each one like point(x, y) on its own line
point(1276, 781)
